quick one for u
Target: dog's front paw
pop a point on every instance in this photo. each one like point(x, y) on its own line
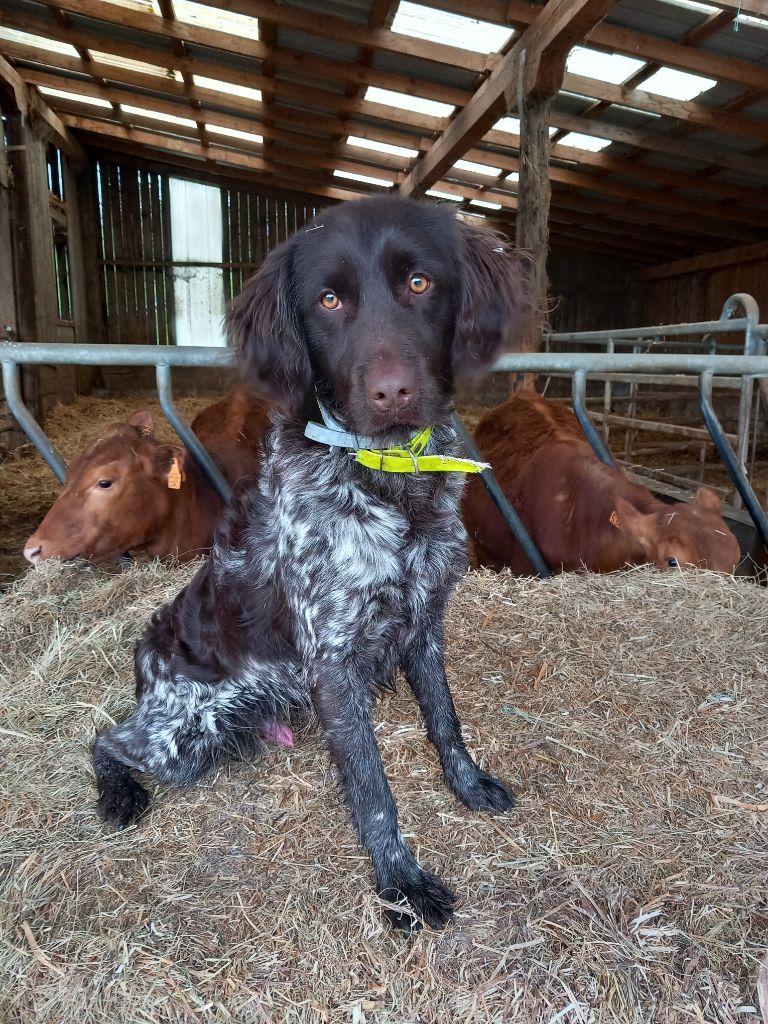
point(481, 792)
point(424, 900)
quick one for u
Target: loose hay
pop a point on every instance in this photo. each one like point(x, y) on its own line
point(629, 712)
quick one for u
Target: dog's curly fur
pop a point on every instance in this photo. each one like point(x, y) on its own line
point(325, 577)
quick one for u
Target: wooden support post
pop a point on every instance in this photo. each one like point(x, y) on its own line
point(34, 269)
point(532, 226)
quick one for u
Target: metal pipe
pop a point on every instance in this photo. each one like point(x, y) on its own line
point(502, 503)
point(732, 464)
point(519, 362)
point(27, 422)
point(579, 407)
point(193, 443)
point(654, 427)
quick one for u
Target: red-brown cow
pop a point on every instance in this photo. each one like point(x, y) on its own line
point(130, 492)
point(580, 512)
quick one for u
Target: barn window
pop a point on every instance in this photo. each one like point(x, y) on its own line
point(198, 280)
point(403, 101)
point(451, 29)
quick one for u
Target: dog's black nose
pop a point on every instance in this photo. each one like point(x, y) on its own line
point(391, 390)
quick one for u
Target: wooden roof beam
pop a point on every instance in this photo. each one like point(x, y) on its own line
point(32, 104)
point(537, 58)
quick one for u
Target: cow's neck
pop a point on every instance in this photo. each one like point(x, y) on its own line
point(193, 507)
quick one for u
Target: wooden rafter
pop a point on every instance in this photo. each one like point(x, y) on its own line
point(537, 58)
point(31, 103)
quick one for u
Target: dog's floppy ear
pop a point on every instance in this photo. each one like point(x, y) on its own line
point(495, 306)
point(263, 323)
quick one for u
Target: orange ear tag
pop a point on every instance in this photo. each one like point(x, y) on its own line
point(614, 520)
point(175, 475)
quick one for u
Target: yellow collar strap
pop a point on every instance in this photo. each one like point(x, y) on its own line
point(409, 458)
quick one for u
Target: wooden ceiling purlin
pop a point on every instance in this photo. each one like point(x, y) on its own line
point(695, 114)
point(169, 15)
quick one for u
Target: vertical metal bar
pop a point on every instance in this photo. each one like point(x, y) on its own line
point(629, 436)
point(191, 440)
point(579, 393)
point(27, 422)
point(607, 397)
point(732, 464)
point(502, 503)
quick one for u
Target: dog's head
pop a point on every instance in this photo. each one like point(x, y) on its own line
point(381, 304)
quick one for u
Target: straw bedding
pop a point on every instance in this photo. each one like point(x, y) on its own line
point(629, 712)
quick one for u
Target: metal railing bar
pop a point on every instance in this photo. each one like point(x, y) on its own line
point(190, 439)
point(728, 457)
point(520, 362)
point(578, 395)
point(502, 503)
point(27, 422)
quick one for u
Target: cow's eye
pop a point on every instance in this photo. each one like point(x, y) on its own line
point(104, 484)
point(672, 563)
point(330, 300)
point(418, 283)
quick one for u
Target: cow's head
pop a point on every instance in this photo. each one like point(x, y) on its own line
point(116, 496)
point(686, 534)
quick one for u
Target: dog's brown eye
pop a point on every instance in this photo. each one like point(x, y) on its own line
point(330, 300)
point(418, 283)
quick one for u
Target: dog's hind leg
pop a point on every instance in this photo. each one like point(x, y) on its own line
point(182, 730)
point(424, 667)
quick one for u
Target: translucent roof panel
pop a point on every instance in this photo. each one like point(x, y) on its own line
point(579, 141)
point(677, 85)
point(512, 125)
point(28, 39)
point(693, 5)
point(437, 194)
point(233, 133)
point(228, 87)
point(362, 177)
point(451, 29)
point(474, 168)
point(605, 67)
point(93, 101)
point(483, 202)
point(216, 18)
point(156, 115)
point(403, 101)
point(381, 147)
point(128, 64)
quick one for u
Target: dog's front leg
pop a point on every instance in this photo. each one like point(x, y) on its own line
point(424, 667)
point(344, 707)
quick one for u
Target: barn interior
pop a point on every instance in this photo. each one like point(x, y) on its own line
point(152, 153)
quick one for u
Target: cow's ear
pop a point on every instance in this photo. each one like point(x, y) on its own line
point(264, 324)
point(708, 499)
point(170, 463)
point(495, 307)
point(638, 525)
point(144, 422)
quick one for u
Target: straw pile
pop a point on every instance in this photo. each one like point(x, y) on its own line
point(629, 712)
